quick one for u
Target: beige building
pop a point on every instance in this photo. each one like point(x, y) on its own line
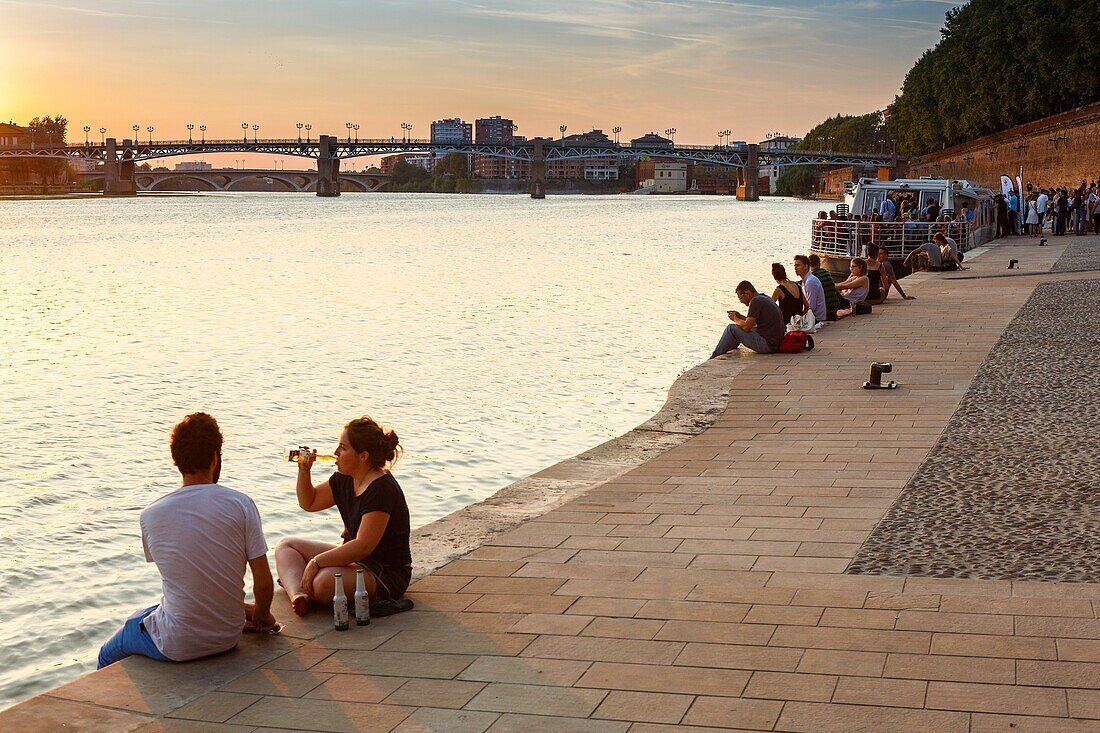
point(667, 177)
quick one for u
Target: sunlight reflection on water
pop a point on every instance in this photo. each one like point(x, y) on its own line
point(496, 334)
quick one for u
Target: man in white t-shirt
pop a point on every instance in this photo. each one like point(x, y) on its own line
point(201, 536)
point(1041, 207)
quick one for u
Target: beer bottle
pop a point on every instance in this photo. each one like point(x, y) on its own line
point(295, 455)
point(340, 605)
point(362, 600)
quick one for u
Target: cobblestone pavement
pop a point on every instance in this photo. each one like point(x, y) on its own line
point(1012, 487)
point(1082, 252)
point(704, 590)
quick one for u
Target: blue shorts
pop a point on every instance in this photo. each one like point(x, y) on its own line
point(131, 639)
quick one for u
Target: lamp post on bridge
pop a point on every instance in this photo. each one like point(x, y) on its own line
point(136, 128)
point(406, 132)
point(202, 129)
point(299, 126)
point(255, 132)
point(87, 129)
point(356, 128)
point(616, 129)
point(150, 129)
point(563, 128)
point(308, 128)
point(103, 136)
point(671, 132)
point(190, 127)
point(244, 126)
point(348, 125)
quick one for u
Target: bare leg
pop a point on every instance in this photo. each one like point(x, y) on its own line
point(291, 556)
point(324, 585)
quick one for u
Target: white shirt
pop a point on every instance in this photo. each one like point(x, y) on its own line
point(1041, 203)
point(815, 295)
point(201, 537)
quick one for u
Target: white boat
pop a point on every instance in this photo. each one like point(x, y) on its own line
point(846, 232)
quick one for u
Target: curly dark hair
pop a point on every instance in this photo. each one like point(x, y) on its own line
point(195, 442)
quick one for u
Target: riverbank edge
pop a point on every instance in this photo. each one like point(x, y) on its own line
point(695, 400)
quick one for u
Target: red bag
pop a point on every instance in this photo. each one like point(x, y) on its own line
point(795, 342)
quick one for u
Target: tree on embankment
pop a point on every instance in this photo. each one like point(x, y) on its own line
point(999, 63)
point(46, 131)
point(847, 133)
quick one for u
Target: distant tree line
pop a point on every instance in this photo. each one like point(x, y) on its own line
point(999, 63)
point(451, 174)
point(42, 131)
point(847, 133)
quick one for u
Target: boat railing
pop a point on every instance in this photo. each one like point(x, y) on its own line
point(842, 238)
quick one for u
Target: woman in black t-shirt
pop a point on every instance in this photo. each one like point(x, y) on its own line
point(376, 522)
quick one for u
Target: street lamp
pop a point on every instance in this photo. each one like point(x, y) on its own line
point(202, 129)
point(103, 136)
point(87, 129)
point(299, 126)
point(616, 130)
point(406, 132)
point(563, 128)
point(830, 139)
point(348, 125)
point(255, 131)
point(244, 126)
point(356, 128)
point(150, 129)
point(136, 128)
point(190, 127)
point(671, 132)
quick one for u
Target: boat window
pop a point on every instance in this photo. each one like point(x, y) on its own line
point(871, 201)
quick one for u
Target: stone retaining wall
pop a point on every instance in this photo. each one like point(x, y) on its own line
point(1059, 150)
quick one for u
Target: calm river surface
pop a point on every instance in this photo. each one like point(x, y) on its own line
point(496, 334)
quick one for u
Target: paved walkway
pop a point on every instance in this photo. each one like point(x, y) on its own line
point(704, 590)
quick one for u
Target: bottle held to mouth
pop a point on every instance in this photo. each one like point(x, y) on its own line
point(295, 455)
point(340, 605)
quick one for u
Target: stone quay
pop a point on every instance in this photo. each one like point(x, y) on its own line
point(792, 553)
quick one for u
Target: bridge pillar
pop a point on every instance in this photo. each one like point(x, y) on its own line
point(748, 190)
point(118, 175)
point(328, 167)
point(538, 169)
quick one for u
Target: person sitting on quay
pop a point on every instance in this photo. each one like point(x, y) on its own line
point(811, 288)
point(855, 288)
point(875, 289)
point(375, 517)
point(761, 329)
point(888, 277)
point(201, 536)
point(833, 301)
point(949, 252)
point(788, 295)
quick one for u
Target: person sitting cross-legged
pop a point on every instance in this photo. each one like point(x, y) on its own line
point(760, 329)
point(833, 301)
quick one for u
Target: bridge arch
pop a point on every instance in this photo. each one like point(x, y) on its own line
point(287, 183)
point(161, 182)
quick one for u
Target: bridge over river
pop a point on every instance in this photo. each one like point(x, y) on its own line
point(121, 158)
point(236, 179)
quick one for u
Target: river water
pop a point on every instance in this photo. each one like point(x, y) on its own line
point(496, 334)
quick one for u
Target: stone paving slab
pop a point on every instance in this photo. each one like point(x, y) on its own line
point(702, 590)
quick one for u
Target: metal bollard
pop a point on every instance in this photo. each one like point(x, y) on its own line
point(874, 376)
point(1012, 264)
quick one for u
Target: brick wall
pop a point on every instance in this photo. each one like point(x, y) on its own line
point(1056, 151)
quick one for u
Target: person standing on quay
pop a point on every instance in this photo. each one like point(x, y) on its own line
point(201, 536)
point(1041, 204)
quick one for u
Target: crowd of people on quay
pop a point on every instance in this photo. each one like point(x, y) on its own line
point(1059, 210)
point(815, 298)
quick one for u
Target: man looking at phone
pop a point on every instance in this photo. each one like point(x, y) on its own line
point(760, 330)
point(201, 536)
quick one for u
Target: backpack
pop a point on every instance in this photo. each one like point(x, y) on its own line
point(795, 342)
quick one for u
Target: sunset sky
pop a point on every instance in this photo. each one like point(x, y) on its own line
point(697, 65)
